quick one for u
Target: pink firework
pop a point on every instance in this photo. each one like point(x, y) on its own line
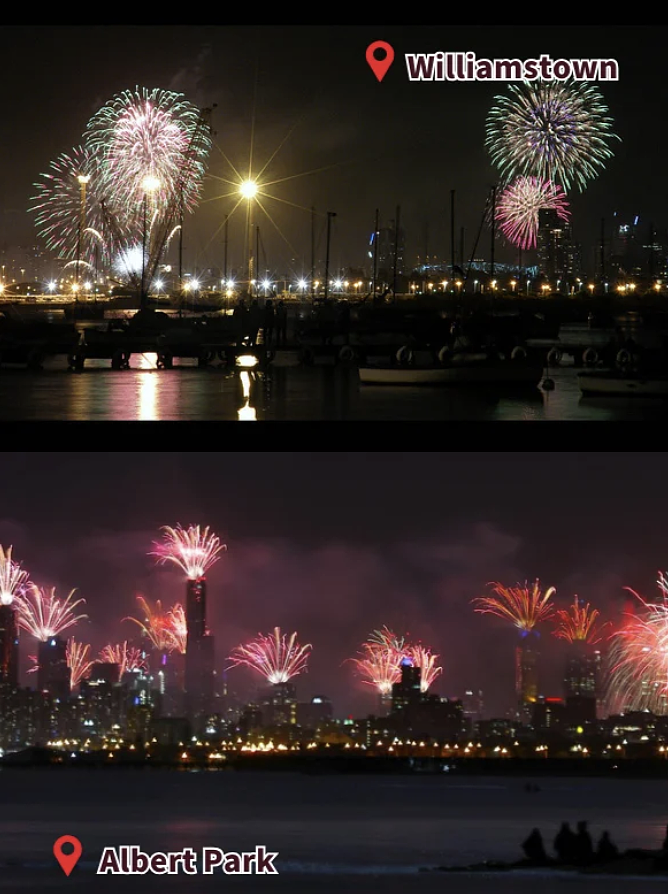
point(276, 656)
point(426, 660)
point(44, 615)
point(34, 667)
point(638, 658)
point(177, 628)
point(155, 626)
point(13, 579)
point(380, 666)
point(518, 207)
point(78, 661)
point(389, 639)
point(128, 658)
point(193, 550)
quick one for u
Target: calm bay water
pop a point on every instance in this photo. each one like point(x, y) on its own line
point(338, 833)
point(317, 393)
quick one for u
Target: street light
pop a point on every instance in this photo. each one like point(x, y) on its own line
point(83, 180)
point(249, 190)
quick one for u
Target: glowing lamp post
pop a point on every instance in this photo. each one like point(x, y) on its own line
point(248, 191)
point(83, 181)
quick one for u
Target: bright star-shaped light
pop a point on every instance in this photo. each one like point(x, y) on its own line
point(248, 189)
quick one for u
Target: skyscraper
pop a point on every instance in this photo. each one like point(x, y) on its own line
point(199, 661)
point(526, 679)
point(581, 683)
point(53, 674)
point(556, 253)
point(9, 646)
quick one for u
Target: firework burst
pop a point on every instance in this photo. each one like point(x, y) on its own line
point(557, 131)
point(525, 607)
point(276, 656)
point(78, 661)
point(178, 627)
point(13, 579)
point(66, 207)
point(194, 550)
point(389, 639)
point(518, 206)
point(578, 624)
point(638, 658)
point(426, 660)
point(156, 625)
point(42, 614)
point(379, 665)
point(149, 133)
point(128, 658)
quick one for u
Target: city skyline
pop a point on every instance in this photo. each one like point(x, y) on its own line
point(304, 101)
point(335, 580)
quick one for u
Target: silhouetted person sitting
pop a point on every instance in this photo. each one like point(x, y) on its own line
point(584, 848)
point(606, 850)
point(534, 848)
point(565, 844)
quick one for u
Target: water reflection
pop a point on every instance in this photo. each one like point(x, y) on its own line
point(246, 413)
point(148, 388)
point(286, 394)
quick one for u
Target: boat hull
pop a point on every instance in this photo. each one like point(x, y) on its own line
point(599, 383)
point(506, 374)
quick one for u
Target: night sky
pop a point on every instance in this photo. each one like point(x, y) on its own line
point(305, 100)
point(334, 545)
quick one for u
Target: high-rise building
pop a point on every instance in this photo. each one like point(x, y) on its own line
point(581, 683)
point(391, 244)
point(279, 705)
point(199, 659)
point(9, 646)
point(407, 691)
point(526, 679)
point(53, 674)
point(556, 251)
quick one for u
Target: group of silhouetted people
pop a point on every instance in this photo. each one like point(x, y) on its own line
point(272, 319)
point(573, 848)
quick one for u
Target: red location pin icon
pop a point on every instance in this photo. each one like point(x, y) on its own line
point(70, 860)
point(379, 66)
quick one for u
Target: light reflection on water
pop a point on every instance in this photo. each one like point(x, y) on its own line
point(318, 393)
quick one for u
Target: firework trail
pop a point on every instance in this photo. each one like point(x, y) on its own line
point(178, 628)
point(557, 131)
point(67, 211)
point(277, 657)
point(156, 625)
point(525, 607)
point(426, 660)
point(128, 658)
point(578, 624)
point(34, 667)
point(44, 615)
point(193, 550)
point(518, 206)
point(13, 579)
point(379, 665)
point(638, 658)
point(153, 134)
point(78, 662)
point(389, 639)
